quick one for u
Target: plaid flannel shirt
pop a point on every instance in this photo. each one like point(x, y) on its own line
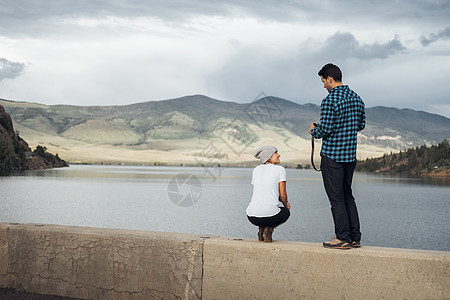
point(342, 115)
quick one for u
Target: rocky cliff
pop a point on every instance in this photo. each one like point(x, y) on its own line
point(15, 154)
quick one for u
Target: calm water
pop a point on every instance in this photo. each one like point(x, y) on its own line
point(394, 211)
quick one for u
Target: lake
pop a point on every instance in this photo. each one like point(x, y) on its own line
point(394, 211)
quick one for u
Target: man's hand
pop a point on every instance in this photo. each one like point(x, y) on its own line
point(311, 127)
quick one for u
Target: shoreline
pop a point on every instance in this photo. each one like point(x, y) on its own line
point(440, 174)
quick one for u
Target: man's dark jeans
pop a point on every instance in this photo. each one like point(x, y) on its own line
point(337, 179)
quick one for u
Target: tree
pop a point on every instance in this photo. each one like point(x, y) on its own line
point(40, 150)
point(418, 159)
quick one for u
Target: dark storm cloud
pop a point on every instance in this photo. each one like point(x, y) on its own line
point(170, 10)
point(433, 37)
point(345, 45)
point(9, 69)
point(23, 18)
point(31, 18)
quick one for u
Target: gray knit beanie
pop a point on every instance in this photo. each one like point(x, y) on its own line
point(264, 153)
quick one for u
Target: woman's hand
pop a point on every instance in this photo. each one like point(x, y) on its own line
point(288, 206)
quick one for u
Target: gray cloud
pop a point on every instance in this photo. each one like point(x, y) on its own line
point(345, 45)
point(433, 37)
point(40, 18)
point(9, 69)
point(253, 69)
point(171, 10)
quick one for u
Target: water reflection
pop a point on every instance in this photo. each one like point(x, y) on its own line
point(403, 179)
point(108, 172)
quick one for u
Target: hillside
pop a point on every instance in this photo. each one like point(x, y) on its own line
point(15, 154)
point(200, 130)
point(425, 161)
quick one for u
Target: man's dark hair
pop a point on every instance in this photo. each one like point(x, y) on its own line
point(333, 71)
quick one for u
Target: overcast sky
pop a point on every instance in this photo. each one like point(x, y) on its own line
point(102, 52)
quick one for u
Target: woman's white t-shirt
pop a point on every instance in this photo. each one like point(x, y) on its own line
point(265, 200)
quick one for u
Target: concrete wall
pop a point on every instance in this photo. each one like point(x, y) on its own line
point(95, 263)
point(3, 255)
point(291, 270)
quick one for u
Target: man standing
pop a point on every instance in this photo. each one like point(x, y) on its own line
point(342, 115)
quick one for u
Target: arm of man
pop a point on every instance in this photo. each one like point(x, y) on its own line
point(325, 128)
point(362, 119)
point(283, 195)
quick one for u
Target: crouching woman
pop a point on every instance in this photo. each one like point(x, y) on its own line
point(269, 206)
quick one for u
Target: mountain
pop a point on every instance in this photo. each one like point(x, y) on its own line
point(201, 130)
point(15, 154)
point(404, 128)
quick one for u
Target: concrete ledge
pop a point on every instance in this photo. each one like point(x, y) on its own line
point(96, 263)
point(291, 270)
point(3, 255)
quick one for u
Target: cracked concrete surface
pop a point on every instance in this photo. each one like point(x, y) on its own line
point(3, 255)
point(104, 263)
point(98, 263)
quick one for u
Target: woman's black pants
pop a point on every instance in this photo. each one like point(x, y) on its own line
point(272, 221)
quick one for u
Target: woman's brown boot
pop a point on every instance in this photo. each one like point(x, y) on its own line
point(260, 234)
point(267, 234)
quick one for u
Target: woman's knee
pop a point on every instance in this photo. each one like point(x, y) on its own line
point(282, 216)
point(286, 214)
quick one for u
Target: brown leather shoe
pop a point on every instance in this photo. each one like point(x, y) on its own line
point(355, 244)
point(267, 234)
point(336, 243)
point(260, 234)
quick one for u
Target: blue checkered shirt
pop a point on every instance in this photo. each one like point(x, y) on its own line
point(342, 115)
